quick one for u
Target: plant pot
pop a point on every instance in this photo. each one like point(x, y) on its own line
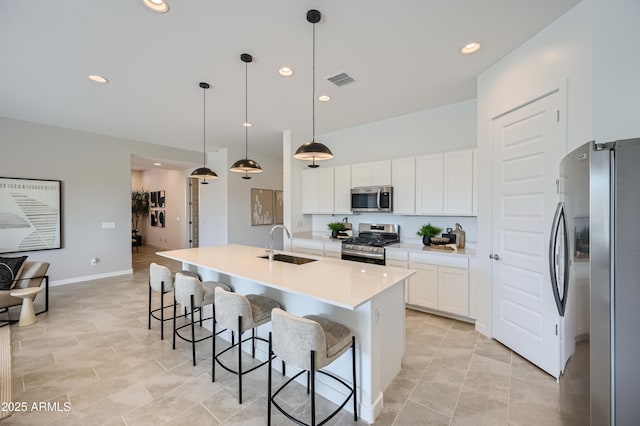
point(334, 234)
point(426, 240)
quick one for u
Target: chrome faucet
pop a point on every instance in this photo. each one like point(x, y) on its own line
point(271, 239)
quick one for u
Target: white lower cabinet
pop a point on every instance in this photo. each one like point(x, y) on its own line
point(453, 290)
point(404, 265)
point(440, 283)
point(423, 286)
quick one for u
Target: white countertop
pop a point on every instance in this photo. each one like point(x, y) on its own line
point(338, 282)
point(428, 249)
point(415, 247)
point(316, 237)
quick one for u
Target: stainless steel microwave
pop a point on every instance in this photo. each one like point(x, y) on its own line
point(372, 199)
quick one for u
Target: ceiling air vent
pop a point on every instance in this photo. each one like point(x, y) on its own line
point(341, 79)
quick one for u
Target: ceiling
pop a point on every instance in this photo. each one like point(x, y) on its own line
point(404, 57)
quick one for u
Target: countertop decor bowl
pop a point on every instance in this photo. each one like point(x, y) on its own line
point(440, 240)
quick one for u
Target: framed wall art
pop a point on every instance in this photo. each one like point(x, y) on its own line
point(279, 206)
point(30, 211)
point(261, 207)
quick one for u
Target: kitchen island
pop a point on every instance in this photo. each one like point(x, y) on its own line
point(369, 299)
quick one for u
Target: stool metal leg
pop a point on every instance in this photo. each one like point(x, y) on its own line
point(269, 355)
point(353, 364)
point(174, 320)
point(240, 359)
point(161, 310)
point(313, 388)
point(193, 332)
point(213, 347)
point(253, 343)
point(150, 303)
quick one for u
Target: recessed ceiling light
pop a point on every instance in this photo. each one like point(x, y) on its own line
point(285, 71)
point(157, 164)
point(470, 48)
point(247, 124)
point(98, 78)
point(324, 98)
point(159, 6)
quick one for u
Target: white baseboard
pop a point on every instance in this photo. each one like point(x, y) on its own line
point(90, 277)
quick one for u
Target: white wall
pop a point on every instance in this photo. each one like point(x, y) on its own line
point(173, 183)
point(95, 171)
point(448, 128)
point(558, 54)
point(240, 229)
point(214, 199)
point(616, 69)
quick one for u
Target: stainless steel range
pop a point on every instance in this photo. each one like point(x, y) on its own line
point(368, 246)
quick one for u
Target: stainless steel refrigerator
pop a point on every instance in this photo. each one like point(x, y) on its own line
point(595, 274)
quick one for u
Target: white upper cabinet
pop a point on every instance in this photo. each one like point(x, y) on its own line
point(370, 174)
point(381, 173)
point(403, 180)
point(342, 190)
point(458, 183)
point(442, 184)
point(317, 190)
point(361, 175)
point(429, 184)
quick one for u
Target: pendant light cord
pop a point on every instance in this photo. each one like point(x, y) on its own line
point(246, 109)
point(204, 128)
point(313, 98)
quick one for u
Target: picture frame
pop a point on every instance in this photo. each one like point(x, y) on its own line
point(262, 212)
point(30, 213)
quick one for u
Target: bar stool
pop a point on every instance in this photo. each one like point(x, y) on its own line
point(161, 279)
point(193, 294)
point(239, 313)
point(310, 343)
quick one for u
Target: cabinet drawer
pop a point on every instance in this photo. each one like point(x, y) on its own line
point(392, 254)
point(335, 248)
point(450, 260)
point(397, 263)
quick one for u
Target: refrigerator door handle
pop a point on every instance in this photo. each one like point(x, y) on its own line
point(559, 219)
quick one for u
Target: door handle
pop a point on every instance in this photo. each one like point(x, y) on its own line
point(494, 257)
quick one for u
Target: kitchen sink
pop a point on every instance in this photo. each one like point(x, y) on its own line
point(289, 259)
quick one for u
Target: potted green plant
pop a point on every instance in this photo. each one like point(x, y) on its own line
point(427, 231)
point(139, 208)
point(335, 228)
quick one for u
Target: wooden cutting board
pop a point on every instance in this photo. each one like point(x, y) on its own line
point(444, 247)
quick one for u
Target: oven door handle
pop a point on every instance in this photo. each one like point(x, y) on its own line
point(362, 254)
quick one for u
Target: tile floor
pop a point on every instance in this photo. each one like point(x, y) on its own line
point(93, 359)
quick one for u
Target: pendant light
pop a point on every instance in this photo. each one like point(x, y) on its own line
point(204, 172)
point(246, 165)
point(313, 150)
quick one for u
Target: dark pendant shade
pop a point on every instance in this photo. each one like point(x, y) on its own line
point(313, 150)
point(246, 165)
point(204, 173)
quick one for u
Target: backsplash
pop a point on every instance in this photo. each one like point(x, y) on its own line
point(409, 225)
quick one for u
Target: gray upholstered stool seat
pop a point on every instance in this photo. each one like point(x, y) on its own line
point(310, 343)
point(194, 294)
point(161, 279)
point(239, 313)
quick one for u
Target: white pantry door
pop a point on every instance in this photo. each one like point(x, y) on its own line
point(528, 144)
